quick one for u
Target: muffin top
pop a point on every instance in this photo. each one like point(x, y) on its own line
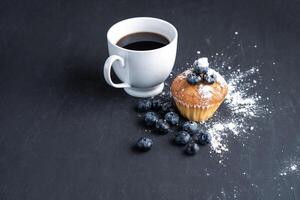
point(200, 94)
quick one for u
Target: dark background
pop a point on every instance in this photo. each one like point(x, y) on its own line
point(65, 134)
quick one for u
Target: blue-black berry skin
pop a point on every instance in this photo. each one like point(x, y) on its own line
point(191, 148)
point(167, 107)
point(150, 118)
point(201, 138)
point(190, 126)
point(162, 127)
point(199, 70)
point(144, 105)
point(144, 144)
point(193, 78)
point(182, 138)
point(209, 78)
point(156, 104)
point(172, 118)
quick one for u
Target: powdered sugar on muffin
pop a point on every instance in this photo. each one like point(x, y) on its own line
point(206, 92)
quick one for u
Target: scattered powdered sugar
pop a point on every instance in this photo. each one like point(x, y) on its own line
point(217, 134)
point(290, 167)
point(239, 101)
point(240, 107)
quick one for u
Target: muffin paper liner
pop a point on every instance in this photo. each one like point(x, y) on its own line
point(197, 113)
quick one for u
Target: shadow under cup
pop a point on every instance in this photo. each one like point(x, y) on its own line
point(143, 72)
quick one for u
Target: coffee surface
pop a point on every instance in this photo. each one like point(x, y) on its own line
point(142, 41)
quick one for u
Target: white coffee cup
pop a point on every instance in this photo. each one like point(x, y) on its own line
point(142, 72)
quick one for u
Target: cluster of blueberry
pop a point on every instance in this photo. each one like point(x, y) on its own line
point(200, 73)
point(189, 134)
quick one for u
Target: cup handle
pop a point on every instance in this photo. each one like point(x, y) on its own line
point(107, 68)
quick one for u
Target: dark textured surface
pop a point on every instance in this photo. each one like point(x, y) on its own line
point(65, 134)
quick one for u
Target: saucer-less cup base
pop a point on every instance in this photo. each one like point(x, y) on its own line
point(145, 92)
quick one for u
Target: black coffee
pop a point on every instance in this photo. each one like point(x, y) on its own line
point(142, 41)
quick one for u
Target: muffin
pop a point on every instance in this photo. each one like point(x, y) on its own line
point(198, 92)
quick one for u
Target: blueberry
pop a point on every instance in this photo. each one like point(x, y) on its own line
point(162, 126)
point(144, 144)
point(190, 126)
point(193, 78)
point(172, 118)
point(182, 138)
point(202, 138)
point(191, 148)
point(199, 69)
point(209, 78)
point(200, 66)
point(144, 105)
point(156, 104)
point(167, 107)
point(150, 118)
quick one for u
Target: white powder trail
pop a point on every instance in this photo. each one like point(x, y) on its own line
point(241, 107)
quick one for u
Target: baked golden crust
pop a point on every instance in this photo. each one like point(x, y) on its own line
point(200, 95)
